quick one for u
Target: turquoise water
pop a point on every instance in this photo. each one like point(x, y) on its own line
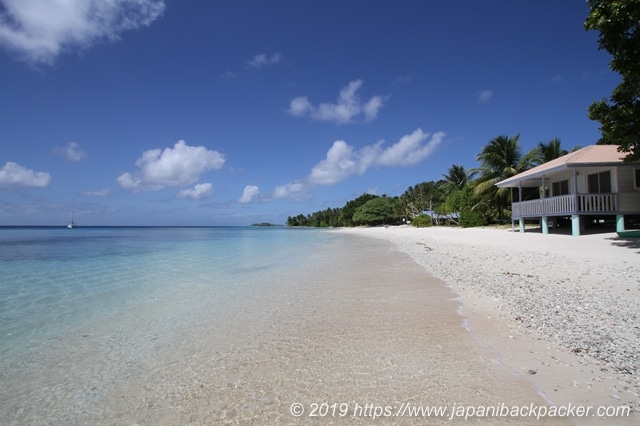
point(55, 280)
point(83, 311)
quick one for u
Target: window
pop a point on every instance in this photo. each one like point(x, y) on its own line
point(637, 180)
point(560, 188)
point(600, 183)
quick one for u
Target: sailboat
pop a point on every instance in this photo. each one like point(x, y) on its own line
point(71, 224)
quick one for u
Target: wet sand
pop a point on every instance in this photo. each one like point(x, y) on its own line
point(371, 328)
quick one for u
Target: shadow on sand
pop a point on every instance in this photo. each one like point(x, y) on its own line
point(631, 243)
point(566, 230)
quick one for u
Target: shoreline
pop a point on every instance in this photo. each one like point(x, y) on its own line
point(557, 310)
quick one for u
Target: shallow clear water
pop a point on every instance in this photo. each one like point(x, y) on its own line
point(53, 281)
point(81, 310)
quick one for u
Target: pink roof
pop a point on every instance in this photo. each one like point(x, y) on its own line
point(591, 155)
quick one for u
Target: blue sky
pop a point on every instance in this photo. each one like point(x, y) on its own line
point(203, 112)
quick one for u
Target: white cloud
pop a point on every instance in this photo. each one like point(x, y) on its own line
point(343, 161)
point(198, 192)
point(71, 152)
point(296, 189)
point(371, 108)
point(228, 75)
point(348, 107)
point(403, 79)
point(339, 164)
point(15, 175)
point(178, 166)
point(97, 193)
point(300, 106)
point(484, 95)
point(249, 194)
point(40, 30)
point(262, 59)
point(410, 149)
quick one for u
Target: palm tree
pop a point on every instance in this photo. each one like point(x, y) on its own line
point(546, 152)
point(457, 177)
point(501, 158)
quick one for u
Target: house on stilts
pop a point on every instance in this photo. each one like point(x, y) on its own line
point(593, 183)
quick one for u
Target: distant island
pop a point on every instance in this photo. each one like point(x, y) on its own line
point(263, 224)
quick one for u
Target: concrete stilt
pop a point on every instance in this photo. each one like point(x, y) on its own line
point(575, 225)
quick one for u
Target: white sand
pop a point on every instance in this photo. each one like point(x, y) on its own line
point(558, 309)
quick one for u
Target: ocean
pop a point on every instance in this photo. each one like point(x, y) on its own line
point(56, 280)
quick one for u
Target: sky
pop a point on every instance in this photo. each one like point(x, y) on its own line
point(205, 112)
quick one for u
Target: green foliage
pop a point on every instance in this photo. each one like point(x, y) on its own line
point(618, 22)
point(331, 217)
point(346, 215)
point(457, 178)
point(458, 200)
point(324, 218)
point(377, 211)
point(546, 152)
point(470, 218)
point(422, 221)
point(299, 220)
point(421, 197)
point(500, 159)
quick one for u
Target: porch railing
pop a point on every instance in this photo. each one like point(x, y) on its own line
point(566, 205)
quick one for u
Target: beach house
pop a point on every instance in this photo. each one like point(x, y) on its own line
point(591, 184)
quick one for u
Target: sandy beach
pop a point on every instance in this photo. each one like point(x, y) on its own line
point(559, 310)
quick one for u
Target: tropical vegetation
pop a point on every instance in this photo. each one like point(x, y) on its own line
point(618, 22)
